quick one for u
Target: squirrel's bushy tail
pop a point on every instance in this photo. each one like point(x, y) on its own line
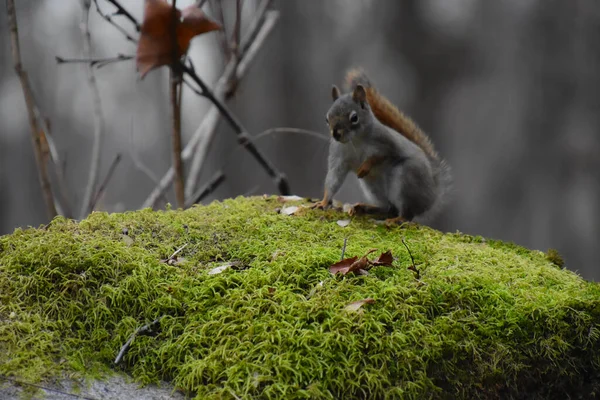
point(388, 114)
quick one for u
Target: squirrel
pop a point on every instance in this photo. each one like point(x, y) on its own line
point(399, 170)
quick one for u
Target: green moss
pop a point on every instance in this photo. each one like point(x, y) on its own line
point(487, 319)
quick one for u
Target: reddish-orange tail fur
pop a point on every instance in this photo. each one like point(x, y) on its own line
point(389, 115)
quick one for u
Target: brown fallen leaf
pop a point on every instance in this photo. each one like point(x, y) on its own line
point(355, 306)
point(384, 259)
point(155, 47)
point(360, 265)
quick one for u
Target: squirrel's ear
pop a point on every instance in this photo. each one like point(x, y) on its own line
point(335, 92)
point(360, 95)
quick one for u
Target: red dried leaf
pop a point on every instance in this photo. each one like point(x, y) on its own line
point(342, 266)
point(384, 259)
point(355, 306)
point(155, 47)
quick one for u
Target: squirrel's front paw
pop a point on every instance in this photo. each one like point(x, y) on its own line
point(320, 205)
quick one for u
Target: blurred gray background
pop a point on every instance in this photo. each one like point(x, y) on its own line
point(509, 90)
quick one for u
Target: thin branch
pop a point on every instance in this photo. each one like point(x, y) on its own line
point(218, 10)
point(237, 28)
point(43, 175)
point(122, 11)
point(413, 267)
point(137, 332)
point(104, 184)
point(86, 205)
point(344, 248)
point(220, 90)
point(109, 19)
point(64, 205)
point(94, 62)
point(210, 187)
point(175, 99)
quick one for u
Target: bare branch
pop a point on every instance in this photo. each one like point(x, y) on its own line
point(175, 97)
point(237, 28)
point(43, 175)
point(104, 184)
point(86, 204)
point(94, 62)
point(109, 19)
point(138, 331)
point(122, 11)
point(209, 125)
point(212, 117)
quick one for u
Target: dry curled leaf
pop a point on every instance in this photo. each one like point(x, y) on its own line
point(360, 265)
point(355, 306)
point(155, 47)
point(384, 259)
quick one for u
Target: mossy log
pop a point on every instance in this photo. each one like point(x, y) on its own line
point(484, 319)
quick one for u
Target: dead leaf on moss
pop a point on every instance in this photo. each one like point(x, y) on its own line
point(343, 222)
point(289, 210)
point(361, 265)
point(355, 306)
point(384, 259)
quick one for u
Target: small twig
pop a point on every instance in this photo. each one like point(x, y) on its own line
point(94, 62)
point(48, 389)
point(176, 112)
point(109, 19)
point(172, 256)
point(97, 114)
point(42, 167)
point(122, 11)
point(413, 267)
point(208, 188)
point(218, 10)
point(237, 28)
point(344, 248)
point(104, 184)
point(137, 332)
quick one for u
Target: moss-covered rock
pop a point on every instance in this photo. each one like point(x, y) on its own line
point(485, 319)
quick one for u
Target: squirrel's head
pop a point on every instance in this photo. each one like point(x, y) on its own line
point(349, 115)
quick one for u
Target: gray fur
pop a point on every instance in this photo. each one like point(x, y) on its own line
point(408, 181)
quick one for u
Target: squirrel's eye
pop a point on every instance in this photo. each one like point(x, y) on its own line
point(354, 118)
